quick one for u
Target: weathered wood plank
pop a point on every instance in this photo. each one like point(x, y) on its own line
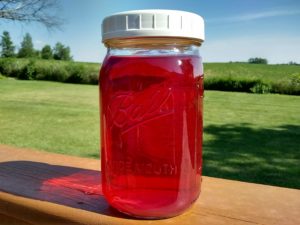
point(44, 188)
point(5, 220)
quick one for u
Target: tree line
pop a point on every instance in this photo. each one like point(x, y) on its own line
point(257, 60)
point(26, 50)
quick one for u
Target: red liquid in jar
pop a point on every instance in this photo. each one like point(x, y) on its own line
point(151, 115)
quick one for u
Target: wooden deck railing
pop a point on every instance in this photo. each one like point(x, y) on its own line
point(44, 188)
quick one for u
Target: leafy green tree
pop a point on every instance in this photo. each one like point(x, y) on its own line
point(26, 49)
point(258, 60)
point(7, 46)
point(46, 52)
point(61, 52)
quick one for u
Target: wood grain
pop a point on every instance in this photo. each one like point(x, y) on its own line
point(44, 188)
point(5, 220)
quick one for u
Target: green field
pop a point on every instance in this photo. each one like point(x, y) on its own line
point(267, 73)
point(248, 137)
point(254, 78)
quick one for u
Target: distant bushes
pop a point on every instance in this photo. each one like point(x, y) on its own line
point(62, 71)
point(51, 72)
point(229, 84)
point(11, 67)
point(241, 77)
point(255, 78)
point(290, 86)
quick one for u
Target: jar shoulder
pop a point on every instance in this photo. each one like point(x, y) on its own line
point(115, 67)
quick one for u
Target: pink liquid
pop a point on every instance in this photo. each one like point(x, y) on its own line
point(151, 124)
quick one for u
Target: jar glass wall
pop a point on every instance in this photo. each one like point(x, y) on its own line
point(151, 96)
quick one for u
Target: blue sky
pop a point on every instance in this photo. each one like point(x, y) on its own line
point(235, 29)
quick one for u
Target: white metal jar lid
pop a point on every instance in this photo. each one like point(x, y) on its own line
point(153, 23)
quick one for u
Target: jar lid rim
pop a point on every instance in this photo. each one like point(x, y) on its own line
point(153, 23)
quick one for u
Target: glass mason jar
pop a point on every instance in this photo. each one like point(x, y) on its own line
point(151, 93)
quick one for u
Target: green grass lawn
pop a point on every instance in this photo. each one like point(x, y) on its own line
point(248, 137)
point(50, 116)
point(252, 137)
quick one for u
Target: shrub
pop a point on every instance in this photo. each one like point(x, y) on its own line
point(76, 73)
point(289, 86)
point(92, 78)
point(261, 88)
point(28, 72)
point(230, 84)
point(11, 67)
point(51, 72)
point(80, 73)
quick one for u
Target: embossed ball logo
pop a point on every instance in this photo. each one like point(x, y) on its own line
point(130, 109)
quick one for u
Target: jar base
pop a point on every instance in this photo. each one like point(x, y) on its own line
point(141, 217)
